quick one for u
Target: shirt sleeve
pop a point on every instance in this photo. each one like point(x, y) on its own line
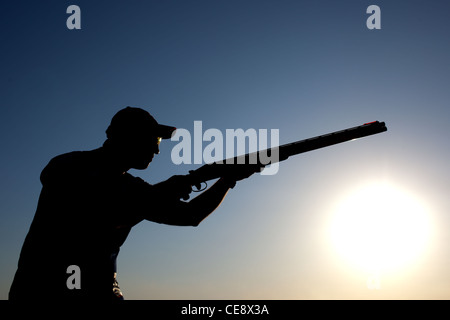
point(150, 204)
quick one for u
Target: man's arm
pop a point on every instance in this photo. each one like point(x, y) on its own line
point(171, 210)
point(203, 205)
point(176, 212)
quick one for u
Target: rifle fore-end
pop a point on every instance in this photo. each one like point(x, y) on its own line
point(213, 171)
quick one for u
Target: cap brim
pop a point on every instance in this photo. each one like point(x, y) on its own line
point(166, 132)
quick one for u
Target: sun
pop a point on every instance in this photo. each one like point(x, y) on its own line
point(380, 227)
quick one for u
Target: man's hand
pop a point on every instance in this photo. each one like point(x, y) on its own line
point(240, 172)
point(244, 171)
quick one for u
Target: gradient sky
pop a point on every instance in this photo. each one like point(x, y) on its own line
point(303, 67)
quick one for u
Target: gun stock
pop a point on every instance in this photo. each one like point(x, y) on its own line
point(222, 168)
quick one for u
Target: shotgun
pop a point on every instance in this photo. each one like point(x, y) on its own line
point(265, 157)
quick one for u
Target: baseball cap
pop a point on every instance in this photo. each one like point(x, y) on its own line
point(131, 120)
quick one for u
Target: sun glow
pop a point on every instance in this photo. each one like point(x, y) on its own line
point(380, 227)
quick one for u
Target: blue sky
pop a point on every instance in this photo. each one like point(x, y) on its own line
point(303, 67)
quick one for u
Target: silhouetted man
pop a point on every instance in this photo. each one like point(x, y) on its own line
point(89, 203)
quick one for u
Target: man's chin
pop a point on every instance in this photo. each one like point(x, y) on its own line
point(142, 166)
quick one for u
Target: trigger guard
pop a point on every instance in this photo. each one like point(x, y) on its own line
point(198, 187)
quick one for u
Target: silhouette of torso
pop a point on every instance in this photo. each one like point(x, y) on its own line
point(84, 215)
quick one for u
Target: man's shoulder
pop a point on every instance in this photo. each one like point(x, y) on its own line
point(69, 156)
point(74, 159)
point(71, 163)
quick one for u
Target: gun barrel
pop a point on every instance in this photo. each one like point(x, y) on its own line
point(330, 139)
point(218, 169)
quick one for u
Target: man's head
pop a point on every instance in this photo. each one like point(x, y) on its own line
point(136, 135)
